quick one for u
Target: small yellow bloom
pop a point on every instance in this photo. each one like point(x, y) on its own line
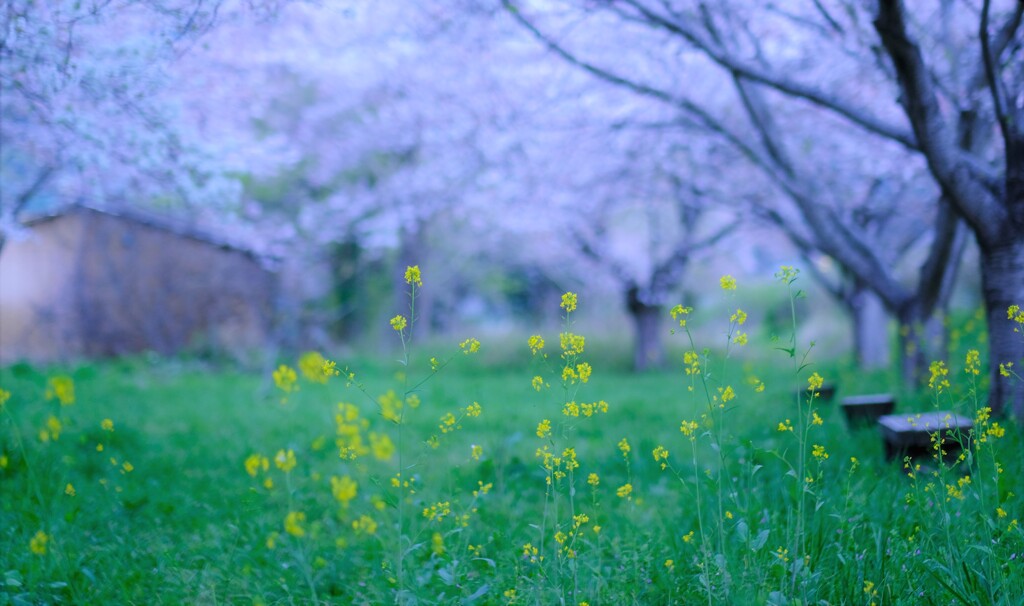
point(624, 447)
point(37, 544)
point(583, 370)
point(669, 564)
point(568, 302)
point(412, 275)
point(815, 382)
point(344, 489)
point(544, 429)
point(470, 346)
point(538, 382)
point(69, 490)
point(293, 523)
point(107, 425)
point(476, 451)
point(727, 282)
point(688, 537)
point(61, 388)
point(399, 323)
point(536, 344)
point(727, 393)
point(593, 479)
point(785, 426)
point(624, 491)
point(818, 451)
point(271, 541)
point(284, 378)
point(4, 396)
point(285, 461)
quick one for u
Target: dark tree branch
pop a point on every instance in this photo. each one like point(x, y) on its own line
point(994, 85)
point(971, 194)
point(777, 81)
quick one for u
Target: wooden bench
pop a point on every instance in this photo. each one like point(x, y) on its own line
point(910, 435)
point(866, 410)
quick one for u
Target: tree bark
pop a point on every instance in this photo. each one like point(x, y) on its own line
point(1002, 278)
point(870, 330)
point(648, 349)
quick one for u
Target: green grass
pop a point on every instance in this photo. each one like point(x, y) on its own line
point(189, 525)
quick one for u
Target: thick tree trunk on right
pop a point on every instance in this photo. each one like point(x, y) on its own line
point(648, 349)
point(1002, 278)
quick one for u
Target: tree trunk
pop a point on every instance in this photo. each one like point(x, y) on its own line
point(870, 330)
point(648, 349)
point(1002, 278)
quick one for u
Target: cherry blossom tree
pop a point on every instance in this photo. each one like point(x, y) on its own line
point(919, 94)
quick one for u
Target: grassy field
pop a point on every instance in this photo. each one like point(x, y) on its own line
point(162, 481)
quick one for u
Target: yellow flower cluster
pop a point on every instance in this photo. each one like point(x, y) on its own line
point(661, 455)
point(692, 362)
point(61, 388)
point(818, 452)
point(536, 343)
point(293, 523)
point(344, 489)
point(680, 313)
point(412, 275)
point(544, 429)
point(625, 491)
point(568, 302)
point(572, 409)
point(284, 379)
point(938, 380)
point(470, 346)
point(364, 525)
point(787, 274)
point(689, 429)
point(727, 282)
point(311, 365)
point(438, 511)
point(572, 345)
point(972, 364)
point(624, 447)
point(348, 426)
point(285, 460)
point(399, 323)
point(37, 544)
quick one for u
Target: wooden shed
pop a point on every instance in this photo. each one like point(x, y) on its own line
point(91, 282)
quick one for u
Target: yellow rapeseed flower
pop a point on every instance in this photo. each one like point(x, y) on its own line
point(536, 343)
point(727, 282)
point(470, 346)
point(344, 489)
point(727, 394)
point(284, 378)
point(972, 365)
point(412, 275)
point(107, 425)
point(624, 447)
point(544, 429)
point(399, 323)
point(476, 451)
point(293, 523)
point(62, 388)
point(624, 491)
point(311, 365)
point(583, 370)
point(568, 302)
point(593, 479)
point(818, 451)
point(381, 446)
point(537, 382)
point(4, 396)
point(37, 544)
point(70, 490)
point(285, 461)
